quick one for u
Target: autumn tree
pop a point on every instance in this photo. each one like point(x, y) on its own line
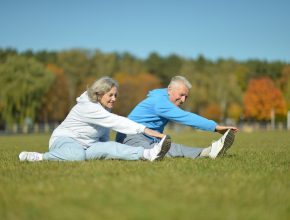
point(133, 89)
point(261, 98)
point(211, 111)
point(55, 102)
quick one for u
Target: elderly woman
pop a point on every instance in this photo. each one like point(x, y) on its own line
point(84, 134)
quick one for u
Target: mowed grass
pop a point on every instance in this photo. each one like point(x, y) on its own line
point(251, 182)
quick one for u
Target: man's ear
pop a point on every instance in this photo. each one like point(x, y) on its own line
point(169, 88)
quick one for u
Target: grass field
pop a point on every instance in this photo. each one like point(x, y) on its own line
point(251, 182)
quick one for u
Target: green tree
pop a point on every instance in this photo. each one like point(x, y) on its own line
point(154, 63)
point(129, 64)
point(212, 84)
point(242, 75)
point(23, 82)
point(258, 68)
point(4, 53)
point(164, 68)
point(225, 86)
point(199, 94)
point(46, 57)
point(284, 83)
point(76, 67)
point(171, 67)
point(103, 64)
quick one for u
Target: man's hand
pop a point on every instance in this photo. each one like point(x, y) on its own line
point(222, 129)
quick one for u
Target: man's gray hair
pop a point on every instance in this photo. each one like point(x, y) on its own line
point(100, 87)
point(180, 79)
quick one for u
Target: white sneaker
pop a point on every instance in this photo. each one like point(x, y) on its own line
point(220, 146)
point(159, 150)
point(30, 156)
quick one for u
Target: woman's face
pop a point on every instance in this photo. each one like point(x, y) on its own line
point(109, 98)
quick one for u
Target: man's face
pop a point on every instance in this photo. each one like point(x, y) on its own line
point(178, 93)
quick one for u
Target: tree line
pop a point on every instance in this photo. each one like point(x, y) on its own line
point(42, 86)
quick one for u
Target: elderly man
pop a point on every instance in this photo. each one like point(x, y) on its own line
point(162, 106)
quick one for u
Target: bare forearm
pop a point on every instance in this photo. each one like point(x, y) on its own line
point(153, 133)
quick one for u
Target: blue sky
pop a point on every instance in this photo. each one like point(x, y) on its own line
point(239, 29)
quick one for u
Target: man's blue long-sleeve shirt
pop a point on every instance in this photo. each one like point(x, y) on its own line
point(156, 110)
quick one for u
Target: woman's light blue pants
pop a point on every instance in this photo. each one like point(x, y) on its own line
point(67, 149)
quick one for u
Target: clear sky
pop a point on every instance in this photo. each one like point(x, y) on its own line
point(239, 29)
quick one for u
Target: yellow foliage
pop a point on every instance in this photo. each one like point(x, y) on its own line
point(235, 111)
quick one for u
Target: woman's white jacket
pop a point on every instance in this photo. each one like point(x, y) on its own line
point(90, 122)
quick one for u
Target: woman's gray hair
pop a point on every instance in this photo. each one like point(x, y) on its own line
point(101, 87)
point(180, 79)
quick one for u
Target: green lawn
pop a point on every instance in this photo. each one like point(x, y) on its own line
point(251, 182)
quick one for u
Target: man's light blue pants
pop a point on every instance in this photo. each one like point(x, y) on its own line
point(176, 150)
point(67, 149)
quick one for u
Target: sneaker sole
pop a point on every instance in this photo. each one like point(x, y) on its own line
point(229, 140)
point(165, 148)
point(21, 157)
